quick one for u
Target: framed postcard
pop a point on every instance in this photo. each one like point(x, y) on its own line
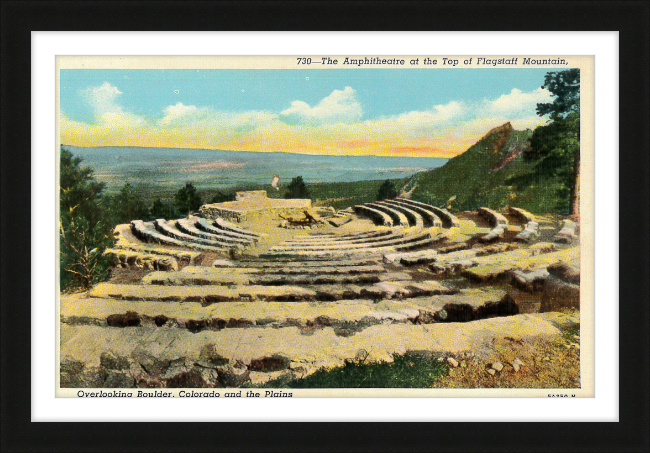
point(357, 227)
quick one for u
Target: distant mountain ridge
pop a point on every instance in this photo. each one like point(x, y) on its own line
point(491, 173)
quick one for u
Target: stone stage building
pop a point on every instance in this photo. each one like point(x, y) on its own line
point(254, 204)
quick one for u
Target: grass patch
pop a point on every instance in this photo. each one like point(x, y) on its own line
point(408, 371)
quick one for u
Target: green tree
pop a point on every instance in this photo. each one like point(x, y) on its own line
point(84, 232)
point(187, 199)
point(126, 206)
point(161, 210)
point(557, 145)
point(220, 197)
point(386, 191)
point(297, 189)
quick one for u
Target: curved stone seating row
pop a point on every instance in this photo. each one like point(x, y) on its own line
point(413, 218)
point(343, 238)
point(376, 215)
point(493, 217)
point(398, 217)
point(186, 227)
point(448, 219)
point(428, 216)
point(129, 242)
point(131, 259)
point(529, 233)
point(222, 224)
point(203, 225)
point(210, 276)
point(351, 242)
point(567, 232)
point(146, 234)
point(522, 215)
point(165, 228)
point(247, 293)
point(404, 239)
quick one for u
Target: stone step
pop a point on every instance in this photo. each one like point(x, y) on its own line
point(271, 265)
point(493, 217)
point(100, 357)
point(204, 225)
point(529, 233)
point(227, 226)
point(359, 313)
point(397, 216)
point(377, 215)
point(448, 219)
point(496, 233)
point(213, 294)
point(567, 232)
point(370, 236)
point(413, 216)
point(497, 266)
point(185, 226)
point(145, 233)
point(411, 258)
point(523, 215)
point(130, 259)
point(216, 276)
point(428, 216)
point(390, 241)
point(128, 242)
point(167, 229)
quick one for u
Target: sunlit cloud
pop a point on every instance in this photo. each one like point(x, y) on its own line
point(334, 125)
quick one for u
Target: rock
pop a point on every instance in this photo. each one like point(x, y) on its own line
point(273, 363)
point(118, 380)
point(498, 366)
point(230, 376)
point(209, 357)
point(222, 263)
point(167, 264)
point(453, 362)
point(113, 362)
point(260, 378)
point(463, 364)
point(515, 365)
point(361, 356)
point(441, 359)
point(564, 272)
point(491, 371)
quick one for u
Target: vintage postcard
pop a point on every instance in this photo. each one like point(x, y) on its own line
point(304, 226)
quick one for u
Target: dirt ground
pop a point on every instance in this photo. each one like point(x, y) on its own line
point(542, 363)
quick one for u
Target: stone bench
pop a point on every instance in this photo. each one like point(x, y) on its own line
point(567, 232)
point(186, 227)
point(411, 258)
point(144, 233)
point(529, 233)
point(521, 214)
point(219, 222)
point(495, 233)
point(131, 259)
point(404, 239)
point(163, 227)
point(342, 238)
point(212, 276)
point(398, 217)
point(376, 215)
point(203, 225)
point(343, 243)
point(493, 217)
point(414, 218)
point(448, 219)
point(428, 216)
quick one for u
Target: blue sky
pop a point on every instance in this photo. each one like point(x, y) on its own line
point(93, 101)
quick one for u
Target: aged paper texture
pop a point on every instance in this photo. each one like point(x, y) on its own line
point(320, 226)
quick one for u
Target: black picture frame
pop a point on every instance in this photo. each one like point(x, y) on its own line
point(630, 18)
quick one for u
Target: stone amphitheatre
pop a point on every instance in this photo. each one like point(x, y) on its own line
point(259, 290)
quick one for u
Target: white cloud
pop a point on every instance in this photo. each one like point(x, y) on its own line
point(339, 106)
point(519, 102)
point(102, 98)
